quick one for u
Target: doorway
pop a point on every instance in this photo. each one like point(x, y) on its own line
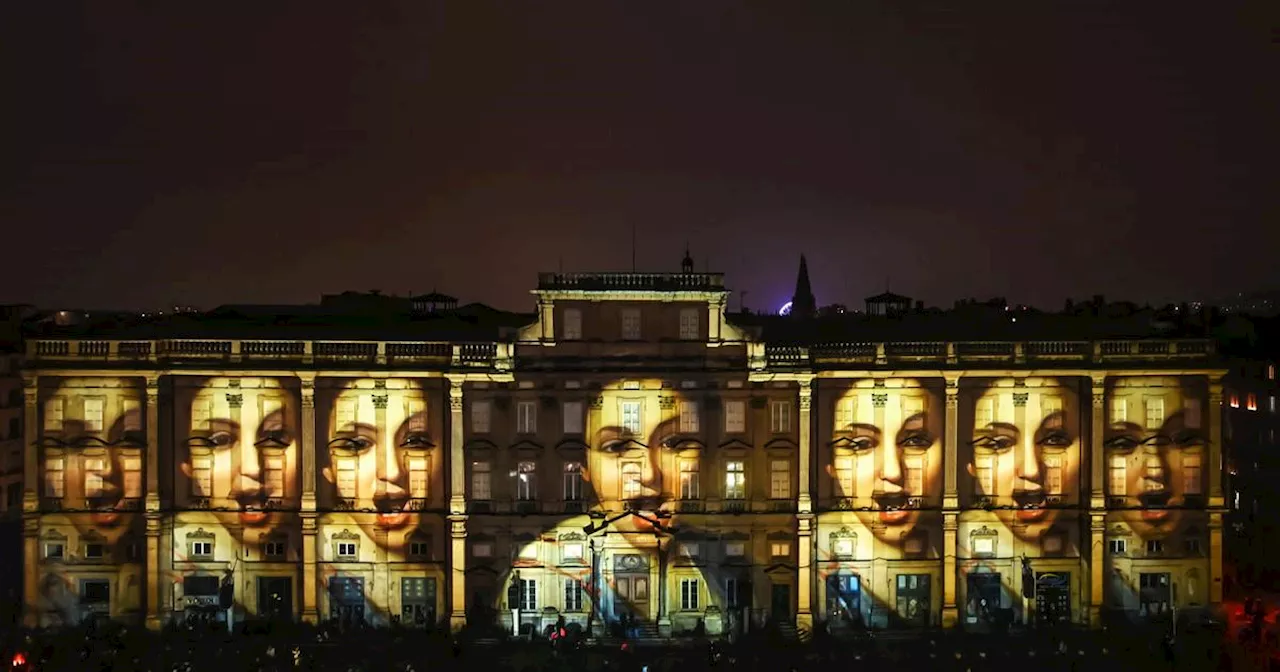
point(1053, 597)
point(631, 597)
point(844, 599)
point(346, 600)
point(985, 596)
point(275, 598)
point(418, 601)
point(913, 599)
point(780, 603)
point(1155, 593)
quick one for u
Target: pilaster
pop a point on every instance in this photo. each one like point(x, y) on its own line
point(951, 444)
point(804, 578)
point(950, 613)
point(457, 508)
point(1215, 443)
point(457, 572)
point(1097, 434)
point(151, 503)
point(30, 501)
point(310, 584)
point(804, 502)
point(1097, 544)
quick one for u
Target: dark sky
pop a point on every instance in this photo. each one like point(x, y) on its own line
point(203, 153)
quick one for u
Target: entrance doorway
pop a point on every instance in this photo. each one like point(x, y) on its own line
point(1053, 597)
point(275, 598)
point(418, 601)
point(985, 597)
point(631, 597)
point(346, 600)
point(1155, 594)
point(913, 599)
point(780, 603)
point(844, 599)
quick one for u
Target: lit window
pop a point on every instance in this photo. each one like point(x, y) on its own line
point(779, 479)
point(132, 477)
point(347, 488)
point(912, 407)
point(93, 480)
point(631, 480)
point(572, 481)
point(845, 414)
point(689, 417)
point(1271, 403)
point(54, 478)
point(1191, 474)
point(416, 415)
point(273, 475)
point(1117, 478)
point(1191, 413)
point(571, 330)
point(1251, 401)
point(418, 478)
point(526, 481)
point(780, 417)
point(573, 417)
point(984, 413)
point(630, 324)
point(689, 594)
point(780, 549)
point(131, 414)
point(1053, 474)
point(571, 551)
point(842, 547)
point(1234, 400)
point(272, 414)
point(480, 417)
point(914, 484)
point(984, 478)
point(1154, 407)
point(688, 479)
point(201, 414)
point(346, 412)
point(481, 481)
point(984, 545)
point(846, 485)
point(1154, 474)
point(1271, 372)
point(735, 480)
point(1119, 411)
point(689, 327)
point(631, 417)
point(527, 417)
point(93, 415)
point(572, 595)
point(53, 414)
point(735, 416)
point(528, 594)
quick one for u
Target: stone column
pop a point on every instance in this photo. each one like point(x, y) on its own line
point(31, 479)
point(1097, 500)
point(950, 503)
point(152, 504)
point(457, 509)
point(310, 585)
point(804, 507)
point(1217, 504)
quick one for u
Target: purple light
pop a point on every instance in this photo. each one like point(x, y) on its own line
point(785, 309)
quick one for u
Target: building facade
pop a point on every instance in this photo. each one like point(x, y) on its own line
point(632, 454)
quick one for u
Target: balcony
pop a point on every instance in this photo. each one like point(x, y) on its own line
point(975, 353)
point(734, 506)
point(631, 282)
point(689, 506)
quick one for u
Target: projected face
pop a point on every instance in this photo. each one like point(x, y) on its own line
point(1026, 445)
point(379, 450)
point(241, 447)
point(1155, 446)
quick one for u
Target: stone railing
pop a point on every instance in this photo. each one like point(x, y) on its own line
point(654, 282)
point(965, 353)
point(259, 352)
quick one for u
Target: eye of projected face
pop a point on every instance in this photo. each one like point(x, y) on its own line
point(861, 443)
point(1123, 442)
point(916, 439)
point(1056, 438)
point(999, 442)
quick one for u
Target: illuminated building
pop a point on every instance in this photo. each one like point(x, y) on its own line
point(628, 453)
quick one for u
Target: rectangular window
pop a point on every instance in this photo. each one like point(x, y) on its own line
point(273, 550)
point(1118, 546)
point(912, 407)
point(132, 477)
point(273, 475)
point(346, 550)
point(984, 476)
point(630, 324)
point(780, 549)
point(93, 415)
point(731, 588)
point(1191, 413)
point(1234, 400)
point(481, 549)
point(481, 481)
point(1154, 412)
point(632, 417)
point(572, 595)
point(1117, 477)
point(1155, 547)
point(202, 549)
point(54, 478)
point(526, 481)
point(54, 551)
point(984, 414)
point(1051, 406)
point(93, 468)
point(735, 480)
point(689, 594)
point(347, 485)
point(1053, 474)
point(201, 414)
point(1154, 473)
point(1191, 474)
point(689, 417)
point(571, 551)
point(845, 414)
point(631, 480)
point(574, 416)
point(571, 330)
point(528, 595)
point(53, 414)
point(735, 416)
point(1119, 411)
point(131, 414)
point(527, 417)
point(779, 479)
point(572, 481)
point(688, 479)
point(272, 414)
point(689, 330)
point(842, 547)
point(1271, 403)
point(1251, 401)
point(689, 550)
point(780, 417)
point(914, 484)
point(846, 484)
point(94, 551)
point(984, 545)
point(420, 550)
point(416, 415)
point(480, 417)
point(346, 412)
point(735, 549)
point(1271, 372)
point(418, 478)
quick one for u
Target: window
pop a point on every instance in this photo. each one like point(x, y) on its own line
point(1155, 547)
point(481, 549)
point(1118, 546)
point(984, 476)
point(1234, 400)
point(779, 479)
point(1051, 543)
point(132, 477)
point(420, 548)
point(689, 417)
point(1191, 476)
point(527, 417)
point(202, 414)
point(93, 468)
point(1053, 474)
point(1154, 474)
point(842, 547)
point(480, 481)
point(528, 595)
point(272, 414)
point(1191, 413)
point(1119, 411)
point(1191, 546)
point(94, 551)
point(273, 475)
point(914, 484)
point(571, 551)
point(480, 417)
point(572, 481)
point(1117, 477)
point(631, 417)
point(131, 414)
point(984, 545)
point(529, 550)
point(346, 412)
point(630, 324)
point(347, 488)
point(1271, 403)
point(731, 590)
point(688, 479)
point(735, 549)
point(984, 414)
point(846, 484)
point(53, 414)
point(1251, 401)
point(202, 476)
point(912, 407)
point(55, 550)
point(735, 416)
point(735, 480)
point(273, 550)
point(416, 414)
point(689, 550)
point(571, 330)
point(418, 478)
point(572, 595)
point(1051, 407)
point(1154, 417)
point(201, 550)
point(780, 417)
point(346, 550)
point(1271, 372)
point(54, 478)
point(573, 417)
point(631, 477)
point(689, 324)
point(526, 481)
point(845, 414)
point(688, 594)
point(780, 549)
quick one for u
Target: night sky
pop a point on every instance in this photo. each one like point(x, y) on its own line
point(269, 152)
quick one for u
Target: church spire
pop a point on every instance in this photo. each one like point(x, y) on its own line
point(803, 304)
